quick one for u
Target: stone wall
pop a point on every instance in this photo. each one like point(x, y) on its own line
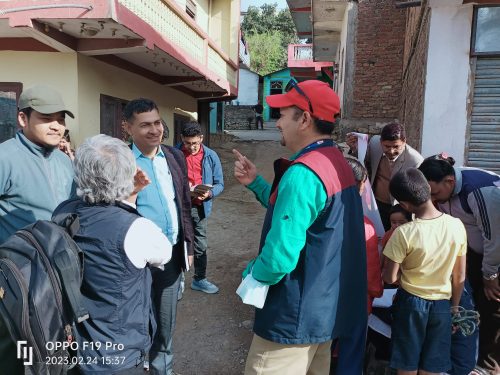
point(414, 73)
point(239, 117)
point(219, 139)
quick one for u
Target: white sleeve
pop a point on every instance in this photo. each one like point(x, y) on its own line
point(145, 244)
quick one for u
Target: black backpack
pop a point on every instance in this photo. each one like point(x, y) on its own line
point(41, 270)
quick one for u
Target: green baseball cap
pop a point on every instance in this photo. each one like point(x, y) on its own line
point(43, 99)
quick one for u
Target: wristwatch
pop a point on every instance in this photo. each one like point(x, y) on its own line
point(491, 277)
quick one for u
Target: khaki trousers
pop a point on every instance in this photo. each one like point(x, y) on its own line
point(270, 358)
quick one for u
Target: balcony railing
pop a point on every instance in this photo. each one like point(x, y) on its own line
point(301, 56)
point(301, 51)
point(161, 16)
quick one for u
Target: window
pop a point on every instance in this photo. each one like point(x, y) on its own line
point(191, 9)
point(276, 85)
point(111, 116)
point(9, 96)
point(486, 31)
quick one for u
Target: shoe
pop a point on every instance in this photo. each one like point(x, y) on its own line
point(479, 371)
point(204, 285)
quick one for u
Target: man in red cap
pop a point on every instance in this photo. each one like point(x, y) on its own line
point(312, 253)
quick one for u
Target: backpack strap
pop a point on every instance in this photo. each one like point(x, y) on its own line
point(65, 216)
point(71, 285)
point(72, 223)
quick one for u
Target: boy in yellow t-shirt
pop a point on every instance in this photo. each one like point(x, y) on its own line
point(427, 258)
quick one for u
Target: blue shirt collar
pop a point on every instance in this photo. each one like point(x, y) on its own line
point(138, 154)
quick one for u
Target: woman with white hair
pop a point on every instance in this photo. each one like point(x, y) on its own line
point(118, 246)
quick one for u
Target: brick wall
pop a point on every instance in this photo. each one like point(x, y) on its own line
point(238, 117)
point(414, 73)
point(378, 60)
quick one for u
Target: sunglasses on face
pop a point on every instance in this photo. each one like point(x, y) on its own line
point(292, 84)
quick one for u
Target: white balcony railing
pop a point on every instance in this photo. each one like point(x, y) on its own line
point(174, 28)
point(302, 52)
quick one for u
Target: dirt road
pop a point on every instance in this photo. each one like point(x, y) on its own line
point(213, 332)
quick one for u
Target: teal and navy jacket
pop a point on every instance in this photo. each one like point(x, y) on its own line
point(312, 251)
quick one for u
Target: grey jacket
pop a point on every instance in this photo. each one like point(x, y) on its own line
point(410, 158)
point(476, 201)
point(33, 181)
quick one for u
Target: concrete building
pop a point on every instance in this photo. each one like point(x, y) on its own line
point(367, 71)
point(248, 88)
point(303, 67)
point(239, 114)
point(101, 53)
point(274, 83)
point(451, 80)
point(432, 64)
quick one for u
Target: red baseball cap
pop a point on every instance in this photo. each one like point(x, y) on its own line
point(324, 101)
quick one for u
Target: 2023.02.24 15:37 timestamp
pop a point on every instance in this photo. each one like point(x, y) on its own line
point(79, 360)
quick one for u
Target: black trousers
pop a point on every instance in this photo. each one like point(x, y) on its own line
point(200, 241)
point(258, 120)
point(384, 209)
point(489, 328)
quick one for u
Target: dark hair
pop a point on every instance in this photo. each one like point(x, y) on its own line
point(359, 170)
point(393, 132)
point(410, 186)
point(191, 129)
point(398, 209)
point(436, 167)
point(66, 135)
point(322, 126)
point(137, 106)
point(27, 111)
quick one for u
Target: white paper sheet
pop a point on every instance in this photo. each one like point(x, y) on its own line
point(379, 326)
point(370, 208)
point(186, 257)
point(252, 292)
point(386, 299)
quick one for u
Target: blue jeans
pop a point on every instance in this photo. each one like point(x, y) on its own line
point(165, 302)
point(464, 348)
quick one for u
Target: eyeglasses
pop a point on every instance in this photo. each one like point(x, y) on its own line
point(292, 84)
point(195, 143)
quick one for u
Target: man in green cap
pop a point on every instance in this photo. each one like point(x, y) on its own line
point(34, 176)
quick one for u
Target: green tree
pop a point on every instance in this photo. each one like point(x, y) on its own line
point(268, 32)
point(266, 52)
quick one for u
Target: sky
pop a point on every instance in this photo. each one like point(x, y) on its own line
point(246, 3)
